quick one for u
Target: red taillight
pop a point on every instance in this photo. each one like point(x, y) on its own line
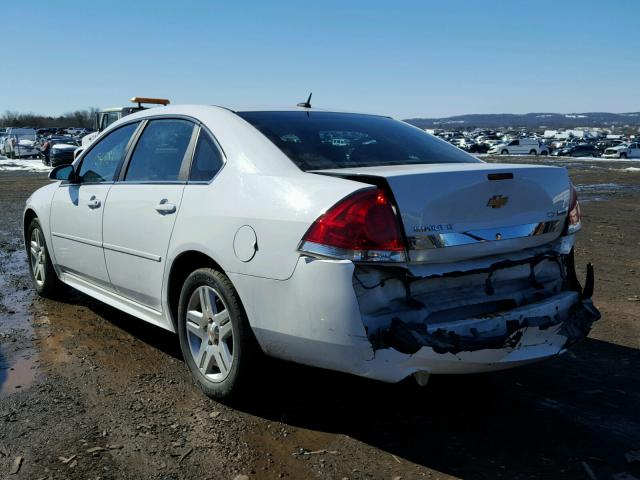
point(361, 227)
point(574, 212)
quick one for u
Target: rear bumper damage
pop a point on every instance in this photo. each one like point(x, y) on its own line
point(388, 323)
point(501, 316)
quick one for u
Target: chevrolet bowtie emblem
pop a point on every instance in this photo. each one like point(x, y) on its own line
point(497, 201)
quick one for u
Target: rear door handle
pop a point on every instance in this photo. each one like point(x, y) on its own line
point(164, 207)
point(93, 202)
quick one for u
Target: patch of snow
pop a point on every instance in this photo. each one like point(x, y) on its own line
point(7, 164)
point(632, 169)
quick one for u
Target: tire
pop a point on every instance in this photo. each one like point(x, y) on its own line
point(623, 155)
point(504, 152)
point(234, 347)
point(544, 152)
point(533, 152)
point(44, 277)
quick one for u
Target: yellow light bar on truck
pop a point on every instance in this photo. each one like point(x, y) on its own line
point(156, 101)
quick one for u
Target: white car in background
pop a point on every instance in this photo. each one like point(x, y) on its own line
point(520, 146)
point(626, 150)
point(20, 143)
point(391, 255)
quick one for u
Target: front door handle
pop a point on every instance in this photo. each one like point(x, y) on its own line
point(164, 207)
point(93, 202)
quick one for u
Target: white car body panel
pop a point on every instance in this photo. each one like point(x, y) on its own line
point(135, 262)
point(64, 147)
point(76, 232)
point(250, 220)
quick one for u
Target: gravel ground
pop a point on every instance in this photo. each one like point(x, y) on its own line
point(89, 392)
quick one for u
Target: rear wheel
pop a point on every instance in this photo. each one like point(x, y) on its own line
point(42, 272)
point(216, 339)
point(533, 152)
point(505, 152)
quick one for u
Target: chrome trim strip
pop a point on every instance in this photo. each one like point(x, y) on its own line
point(455, 239)
point(131, 251)
point(108, 246)
point(86, 241)
point(373, 256)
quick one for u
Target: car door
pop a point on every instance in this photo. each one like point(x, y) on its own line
point(634, 150)
point(77, 208)
point(142, 208)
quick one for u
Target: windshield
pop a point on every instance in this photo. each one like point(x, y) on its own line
point(324, 140)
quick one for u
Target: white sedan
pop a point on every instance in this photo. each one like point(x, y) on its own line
point(351, 242)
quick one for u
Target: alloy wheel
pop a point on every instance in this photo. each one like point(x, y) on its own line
point(210, 333)
point(38, 256)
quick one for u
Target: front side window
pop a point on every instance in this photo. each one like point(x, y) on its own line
point(206, 159)
point(102, 161)
point(159, 153)
point(325, 140)
point(515, 143)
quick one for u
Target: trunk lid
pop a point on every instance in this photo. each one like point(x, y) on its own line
point(451, 212)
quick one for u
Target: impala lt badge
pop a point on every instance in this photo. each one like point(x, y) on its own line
point(497, 201)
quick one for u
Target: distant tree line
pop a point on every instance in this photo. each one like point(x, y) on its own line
point(78, 119)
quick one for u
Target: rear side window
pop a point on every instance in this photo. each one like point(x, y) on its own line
point(206, 159)
point(326, 140)
point(102, 161)
point(159, 153)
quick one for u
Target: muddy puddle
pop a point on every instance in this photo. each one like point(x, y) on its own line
point(18, 357)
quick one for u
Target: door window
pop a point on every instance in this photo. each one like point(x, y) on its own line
point(515, 143)
point(159, 153)
point(207, 159)
point(102, 161)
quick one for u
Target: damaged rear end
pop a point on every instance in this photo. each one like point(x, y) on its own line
point(460, 268)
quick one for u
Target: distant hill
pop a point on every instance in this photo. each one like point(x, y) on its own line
point(530, 120)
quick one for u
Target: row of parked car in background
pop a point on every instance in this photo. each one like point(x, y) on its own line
point(26, 142)
point(530, 143)
point(56, 146)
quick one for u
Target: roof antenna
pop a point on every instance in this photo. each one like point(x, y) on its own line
point(306, 104)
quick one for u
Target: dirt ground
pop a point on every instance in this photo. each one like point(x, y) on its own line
point(89, 392)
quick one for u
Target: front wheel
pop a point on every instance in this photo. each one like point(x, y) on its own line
point(533, 152)
point(216, 339)
point(42, 272)
point(623, 155)
point(505, 152)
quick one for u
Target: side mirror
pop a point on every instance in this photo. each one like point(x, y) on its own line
point(66, 173)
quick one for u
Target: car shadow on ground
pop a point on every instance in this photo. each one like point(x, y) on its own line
point(540, 421)
point(157, 337)
point(546, 420)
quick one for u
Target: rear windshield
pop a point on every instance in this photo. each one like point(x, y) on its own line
point(324, 140)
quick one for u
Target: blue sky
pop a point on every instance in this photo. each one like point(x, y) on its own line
point(402, 58)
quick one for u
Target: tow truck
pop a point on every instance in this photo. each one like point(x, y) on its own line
point(105, 117)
